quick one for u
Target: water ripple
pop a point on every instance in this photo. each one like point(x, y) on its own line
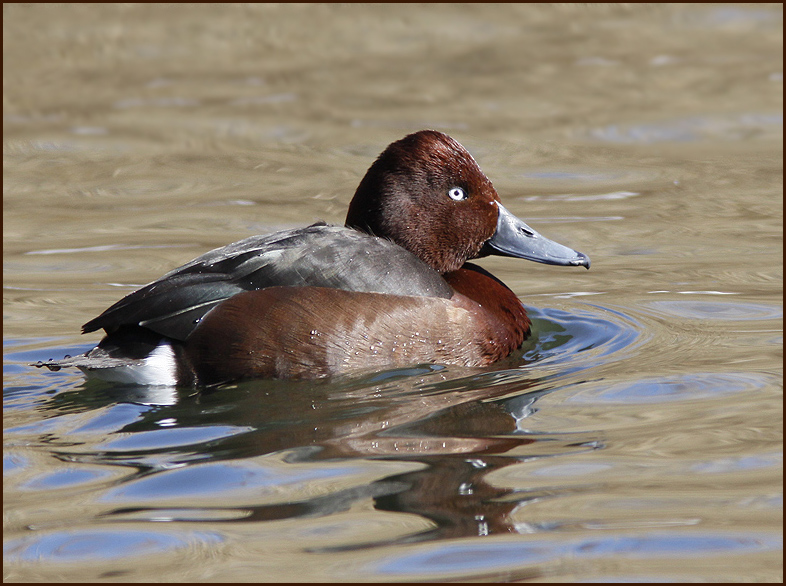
point(672, 388)
point(716, 310)
point(94, 545)
point(480, 557)
point(583, 338)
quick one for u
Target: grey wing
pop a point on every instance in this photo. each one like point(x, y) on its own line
point(316, 256)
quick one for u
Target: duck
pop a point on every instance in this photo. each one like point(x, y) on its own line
point(393, 287)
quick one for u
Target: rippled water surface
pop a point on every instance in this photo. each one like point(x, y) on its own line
point(636, 436)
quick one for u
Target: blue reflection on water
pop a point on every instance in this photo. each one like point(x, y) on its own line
point(79, 546)
point(463, 557)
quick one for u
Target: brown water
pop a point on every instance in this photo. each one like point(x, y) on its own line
point(639, 438)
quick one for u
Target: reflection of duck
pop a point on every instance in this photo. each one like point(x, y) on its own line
point(392, 288)
point(419, 444)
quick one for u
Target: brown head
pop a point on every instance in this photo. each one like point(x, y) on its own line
point(427, 194)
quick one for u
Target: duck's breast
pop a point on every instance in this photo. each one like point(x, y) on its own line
point(309, 332)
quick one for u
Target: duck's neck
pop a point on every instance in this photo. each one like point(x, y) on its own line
point(498, 302)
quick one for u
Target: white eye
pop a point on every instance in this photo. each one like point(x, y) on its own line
point(457, 194)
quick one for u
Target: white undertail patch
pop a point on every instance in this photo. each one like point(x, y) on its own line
point(159, 368)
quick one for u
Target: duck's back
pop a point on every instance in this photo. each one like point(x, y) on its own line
point(316, 256)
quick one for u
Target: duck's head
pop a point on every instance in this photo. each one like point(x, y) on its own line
point(426, 193)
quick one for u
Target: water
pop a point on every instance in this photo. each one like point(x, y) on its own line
point(636, 436)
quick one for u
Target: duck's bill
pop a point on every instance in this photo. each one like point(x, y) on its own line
point(514, 238)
